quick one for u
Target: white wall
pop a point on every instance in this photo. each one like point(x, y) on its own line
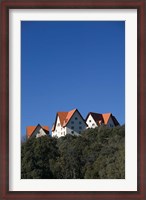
point(38, 132)
point(76, 125)
point(59, 130)
point(90, 122)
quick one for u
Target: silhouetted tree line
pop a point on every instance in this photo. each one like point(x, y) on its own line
point(96, 154)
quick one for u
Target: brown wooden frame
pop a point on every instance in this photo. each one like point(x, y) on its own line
point(5, 5)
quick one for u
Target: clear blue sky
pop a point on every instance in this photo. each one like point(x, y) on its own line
point(67, 65)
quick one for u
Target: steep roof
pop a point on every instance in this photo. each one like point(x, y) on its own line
point(69, 116)
point(31, 129)
point(96, 116)
point(115, 121)
point(53, 127)
point(62, 117)
point(103, 118)
point(106, 117)
point(65, 117)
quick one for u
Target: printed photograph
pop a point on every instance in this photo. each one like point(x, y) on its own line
point(72, 100)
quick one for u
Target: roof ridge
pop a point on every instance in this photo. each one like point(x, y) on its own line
point(106, 117)
point(68, 116)
point(31, 129)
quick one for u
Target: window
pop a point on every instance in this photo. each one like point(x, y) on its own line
point(80, 122)
point(72, 132)
point(72, 127)
point(58, 124)
point(76, 118)
point(79, 132)
point(80, 127)
point(72, 122)
point(93, 124)
point(89, 120)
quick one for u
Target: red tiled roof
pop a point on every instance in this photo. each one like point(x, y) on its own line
point(68, 117)
point(65, 117)
point(106, 117)
point(30, 129)
point(102, 118)
point(62, 117)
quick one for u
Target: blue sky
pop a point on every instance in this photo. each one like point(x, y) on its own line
point(71, 64)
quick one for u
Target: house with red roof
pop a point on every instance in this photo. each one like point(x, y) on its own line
point(36, 131)
point(95, 119)
point(70, 122)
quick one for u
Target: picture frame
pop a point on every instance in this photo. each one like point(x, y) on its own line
point(5, 104)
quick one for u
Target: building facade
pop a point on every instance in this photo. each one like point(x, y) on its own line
point(94, 120)
point(68, 123)
point(36, 131)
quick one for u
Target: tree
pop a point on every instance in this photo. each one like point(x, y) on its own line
point(96, 154)
point(37, 153)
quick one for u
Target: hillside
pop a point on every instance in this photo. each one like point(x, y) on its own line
point(97, 154)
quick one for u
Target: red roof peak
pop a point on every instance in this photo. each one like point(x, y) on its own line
point(68, 117)
point(31, 129)
point(65, 117)
point(106, 117)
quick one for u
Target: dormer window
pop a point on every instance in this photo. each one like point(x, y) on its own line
point(76, 118)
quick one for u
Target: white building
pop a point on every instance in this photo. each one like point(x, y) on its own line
point(36, 131)
point(68, 123)
point(95, 119)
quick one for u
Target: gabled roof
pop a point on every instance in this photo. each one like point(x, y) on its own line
point(96, 116)
point(115, 121)
point(69, 116)
point(102, 118)
point(65, 117)
point(53, 127)
point(106, 117)
point(62, 117)
point(30, 129)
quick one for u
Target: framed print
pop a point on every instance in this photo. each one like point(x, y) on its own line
point(78, 65)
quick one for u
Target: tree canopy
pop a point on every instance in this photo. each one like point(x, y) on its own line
point(96, 154)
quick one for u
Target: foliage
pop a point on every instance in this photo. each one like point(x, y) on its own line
point(96, 154)
point(36, 156)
